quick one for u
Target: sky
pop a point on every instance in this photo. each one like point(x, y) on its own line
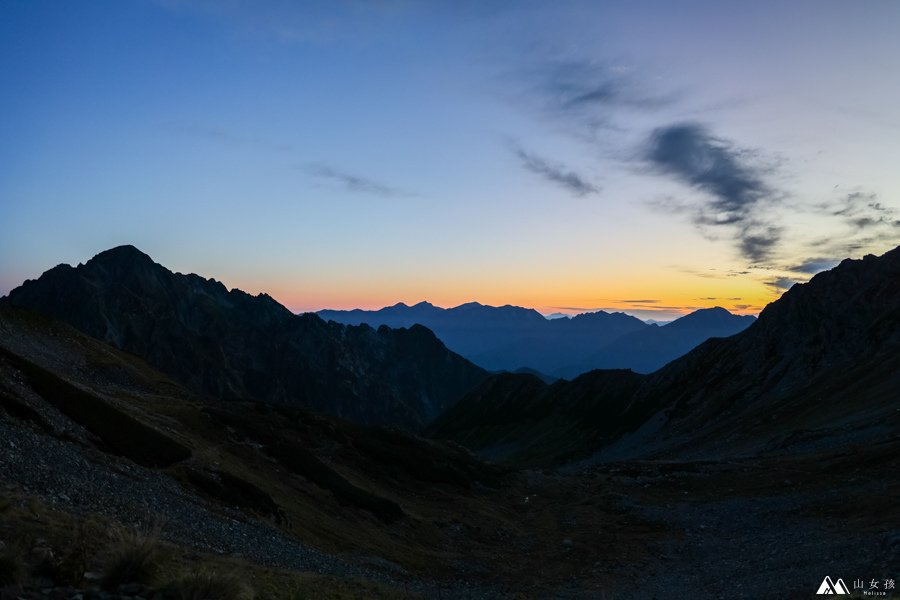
point(653, 157)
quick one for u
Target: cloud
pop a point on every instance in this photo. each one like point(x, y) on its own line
point(352, 182)
point(736, 189)
point(862, 210)
point(578, 85)
point(782, 284)
point(582, 96)
point(758, 240)
point(223, 136)
point(556, 173)
point(869, 222)
point(812, 266)
point(639, 301)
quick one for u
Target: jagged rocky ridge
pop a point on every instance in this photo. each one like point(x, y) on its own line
point(232, 345)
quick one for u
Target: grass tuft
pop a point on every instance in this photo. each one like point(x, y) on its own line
point(209, 585)
point(136, 558)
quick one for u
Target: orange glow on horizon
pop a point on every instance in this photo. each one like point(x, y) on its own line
point(739, 296)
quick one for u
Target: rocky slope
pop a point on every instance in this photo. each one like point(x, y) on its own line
point(231, 345)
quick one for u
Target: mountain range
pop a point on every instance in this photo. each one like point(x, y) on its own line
point(132, 395)
point(819, 368)
point(510, 338)
point(231, 345)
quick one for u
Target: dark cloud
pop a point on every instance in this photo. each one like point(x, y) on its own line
point(691, 154)
point(757, 241)
point(782, 283)
point(354, 183)
point(814, 265)
point(735, 187)
point(555, 173)
point(639, 301)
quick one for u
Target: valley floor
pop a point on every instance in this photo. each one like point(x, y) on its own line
point(747, 529)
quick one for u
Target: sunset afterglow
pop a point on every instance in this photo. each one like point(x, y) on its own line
point(338, 154)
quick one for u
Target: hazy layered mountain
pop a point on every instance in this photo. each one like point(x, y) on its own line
point(820, 367)
point(232, 345)
point(649, 349)
point(510, 337)
point(774, 443)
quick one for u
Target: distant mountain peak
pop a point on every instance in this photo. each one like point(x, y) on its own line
point(471, 305)
point(121, 254)
point(234, 345)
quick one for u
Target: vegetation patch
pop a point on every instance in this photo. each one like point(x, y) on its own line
point(208, 585)
point(134, 558)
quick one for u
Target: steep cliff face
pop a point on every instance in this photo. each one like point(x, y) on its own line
point(232, 345)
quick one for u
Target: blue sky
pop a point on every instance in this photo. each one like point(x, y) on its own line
point(567, 155)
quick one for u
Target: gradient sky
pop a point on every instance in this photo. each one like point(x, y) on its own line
point(648, 156)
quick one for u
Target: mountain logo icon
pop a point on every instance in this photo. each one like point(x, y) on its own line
point(829, 587)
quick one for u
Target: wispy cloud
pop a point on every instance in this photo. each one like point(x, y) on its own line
point(639, 301)
point(555, 173)
point(589, 85)
point(353, 182)
point(220, 135)
point(584, 96)
point(735, 187)
point(869, 222)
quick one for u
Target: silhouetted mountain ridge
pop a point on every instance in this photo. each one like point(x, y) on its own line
point(232, 345)
point(509, 338)
point(647, 350)
point(820, 367)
